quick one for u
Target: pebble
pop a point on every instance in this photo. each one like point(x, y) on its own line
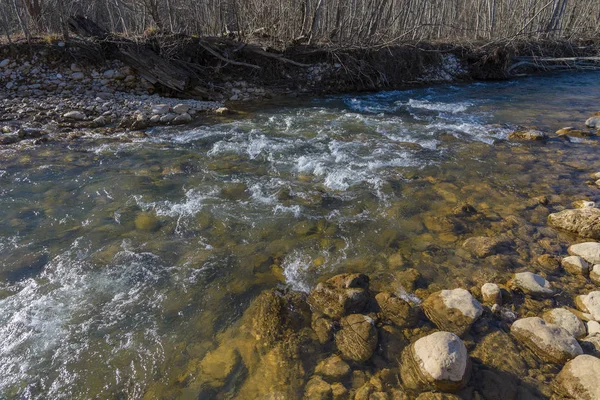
point(532, 284)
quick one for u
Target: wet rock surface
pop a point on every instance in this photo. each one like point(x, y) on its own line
point(579, 378)
point(453, 310)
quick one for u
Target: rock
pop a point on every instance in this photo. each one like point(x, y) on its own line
point(566, 320)
point(491, 294)
point(218, 364)
point(77, 76)
point(453, 310)
point(396, 310)
point(75, 68)
point(339, 391)
point(591, 344)
point(323, 327)
point(583, 221)
point(584, 204)
point(595, 274)
point(357, 339)
point(147, 222)
point(569, 131)
point(589, 303)
point(182, 119)
point(222, 110)
point(30, 133)
point(333, 368)
point(100, 121)
point(341, 295)
point(549, 342)
point(181, 109)
point(548, 263)
point(531, 284)
point(438, 361)
point(317, 389)
point(4, 63)
point(579, 379)
point(593, 122)
point(527, 134)
point(482, 246)
point(576, 265)
point(593, 327)
point(498, 350)
point(167, 118)
point(161, 109)
point(589, 251)
point(109, 74)
point(74, 115)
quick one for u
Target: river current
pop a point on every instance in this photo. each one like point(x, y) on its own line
point(121, 261)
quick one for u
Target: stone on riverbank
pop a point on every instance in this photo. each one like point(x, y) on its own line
point(453, 310)
point(583, 221)
point(531, 284)
point(589, 251)
point(438, 361)
point(566, 320)
point(549, 342)
point(576, 265)
point(160, 109)
point(595, 274)
point(74, 115)
point(181, 108)
point(579, 379)
point(357, 340)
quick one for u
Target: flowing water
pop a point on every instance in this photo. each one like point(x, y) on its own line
point(121, 260)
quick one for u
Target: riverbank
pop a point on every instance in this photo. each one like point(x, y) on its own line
point(67, 89)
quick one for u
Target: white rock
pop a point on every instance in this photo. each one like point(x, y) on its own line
point(463, 301)
point(593, 327)
point(590, 303)
point(442, 356)
point(75, 115)
point(566, 320)
point(532, 284)
point(593, 122)
point(4, 63)
point(222, 110)
point(595, 274)
point(181, 108)
point(589, 251)
point(161, 109)
point(549, 342)
point(491, 294)
point(77, 76)
point(575, 265)
point(579, 378)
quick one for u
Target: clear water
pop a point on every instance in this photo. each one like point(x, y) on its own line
point(121, 260)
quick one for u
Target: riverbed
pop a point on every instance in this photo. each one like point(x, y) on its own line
point(121, 262)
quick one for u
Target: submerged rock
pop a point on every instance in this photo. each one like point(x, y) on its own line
point(396, 310)
point(549, 342)
point(333, 368)
point(583, 221)
point(527, 134)
point(453, 310)
point(357, 340)
point(532, 284)
point(589, 251)
point(566, 320)
point(482, 246)
point(317, 389)
point(341, 295)
point(436, 362)
point(579, 379)
point(498, 350)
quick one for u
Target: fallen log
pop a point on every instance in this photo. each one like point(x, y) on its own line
point(144, 60)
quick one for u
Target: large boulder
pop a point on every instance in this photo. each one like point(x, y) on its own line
point(453, 310)
point(396, 309)
point(579, 379)
point(566, 320)
point(357, 340)
point(436, 362)
point(590, 304)
point(549, 342)
point(531, 284)
point(585, 222)
point(589, 251)
point(341, 295)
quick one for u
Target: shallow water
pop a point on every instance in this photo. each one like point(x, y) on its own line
point(120, 262)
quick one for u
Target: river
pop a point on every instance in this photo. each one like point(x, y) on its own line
point(122, 261)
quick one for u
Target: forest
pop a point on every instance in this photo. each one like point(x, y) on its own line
point(343, 23)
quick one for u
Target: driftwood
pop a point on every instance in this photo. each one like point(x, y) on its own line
point(145, 61)
point(554, 64)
